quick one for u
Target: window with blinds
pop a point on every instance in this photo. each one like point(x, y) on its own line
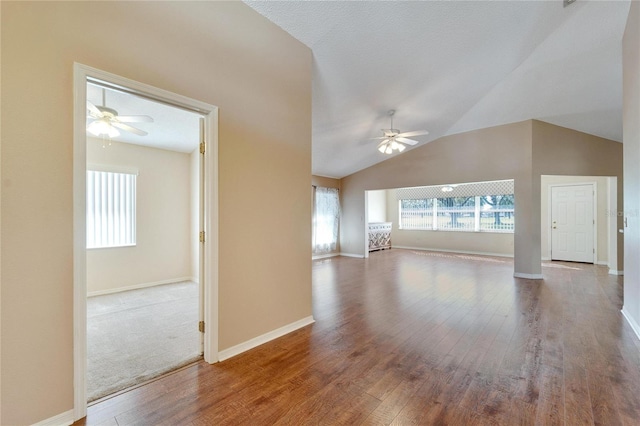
point(111, 209)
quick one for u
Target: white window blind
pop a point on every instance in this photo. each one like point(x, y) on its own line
point(111, 209)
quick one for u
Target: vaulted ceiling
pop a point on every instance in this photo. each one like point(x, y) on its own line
point(453, 66)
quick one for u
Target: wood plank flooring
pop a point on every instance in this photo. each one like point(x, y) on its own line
point(424, 338)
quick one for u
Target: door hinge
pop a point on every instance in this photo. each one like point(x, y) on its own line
point(202, 236)
point(201, 326)
point(203, 147)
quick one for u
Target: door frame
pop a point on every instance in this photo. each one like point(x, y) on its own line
point(81, 73)
point(594, 186)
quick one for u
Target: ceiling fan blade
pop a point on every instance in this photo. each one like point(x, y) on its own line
point(128, 128)
point(381, 137)
point(134, 119)
point(93, 110)
point(414, 133)
point(384, 142)
point(407, 141)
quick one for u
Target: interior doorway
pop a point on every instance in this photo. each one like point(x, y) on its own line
point(205, 262)
point(144, 215)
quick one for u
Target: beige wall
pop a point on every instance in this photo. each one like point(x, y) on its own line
point(631, 137)
point(496, 153)
point(222, 53)
point(163, 208)
point(561, 151)
point(521, 151)
point(491, 243)
point(325, 182)
point(602, 231)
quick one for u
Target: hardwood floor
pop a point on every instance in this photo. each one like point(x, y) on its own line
point(421, 338)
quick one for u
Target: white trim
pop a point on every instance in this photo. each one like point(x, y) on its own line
point(211, 246)
point(138, 286)
point(612, 220)
point(62, 419)
point(210, 113)
point(480, 253)
point(324, 256)
point(359, 256)
point(615, 272)
point(366, 225)
point(79, 242)
point(602, 263)
point(545, 259)
point(528, 276)
point(634, 325)
point(267, 337)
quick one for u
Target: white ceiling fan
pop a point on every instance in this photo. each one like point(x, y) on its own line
point(393, 140)
point(106, 121)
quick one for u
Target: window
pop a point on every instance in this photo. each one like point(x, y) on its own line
point(456, 213)
point(111, 209)
point(496, 213)
point(416, 214)
point(423, 208)
point(326, 217)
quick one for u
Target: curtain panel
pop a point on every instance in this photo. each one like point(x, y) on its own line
point(326, 219)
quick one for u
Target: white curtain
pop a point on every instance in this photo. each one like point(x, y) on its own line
point(326, 218)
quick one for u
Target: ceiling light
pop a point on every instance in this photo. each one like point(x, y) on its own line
point(390, 145)
point(102, 128)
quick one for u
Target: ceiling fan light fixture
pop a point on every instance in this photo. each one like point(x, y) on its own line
point(394, 140)
point(102, 128)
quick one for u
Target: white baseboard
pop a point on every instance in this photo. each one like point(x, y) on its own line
point(634, 325)
point(545, 259)
point(602, 263)
point(528, 276)
point(267, 337)
point(359, 256)
point(324, 256)
point(479, 253)
point(138, 286)
point(63, 419)
point(615, 272)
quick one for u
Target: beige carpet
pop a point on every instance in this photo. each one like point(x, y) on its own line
point(137, 335)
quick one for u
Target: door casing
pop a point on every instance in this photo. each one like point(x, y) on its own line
point(209, 256)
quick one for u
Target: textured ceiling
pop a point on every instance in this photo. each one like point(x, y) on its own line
point(173, 129)
point(450, 67)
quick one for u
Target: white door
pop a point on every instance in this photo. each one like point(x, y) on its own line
point(572, 223)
